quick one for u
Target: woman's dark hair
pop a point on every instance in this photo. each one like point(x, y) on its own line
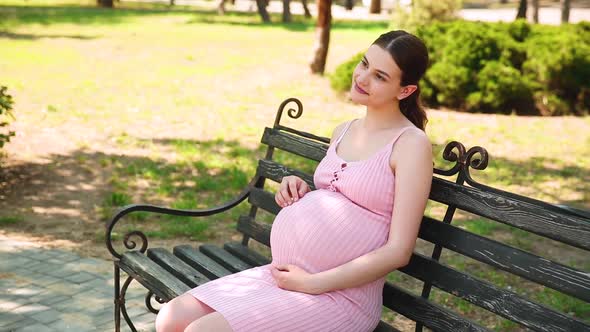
point(411, 56)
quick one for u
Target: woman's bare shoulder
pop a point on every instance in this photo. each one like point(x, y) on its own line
point(413, 145)
point(337, 131)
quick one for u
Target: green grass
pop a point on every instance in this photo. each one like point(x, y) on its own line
point(10, 220)
point(170, 103)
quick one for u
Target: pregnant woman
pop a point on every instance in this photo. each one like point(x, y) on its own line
point(332, 247)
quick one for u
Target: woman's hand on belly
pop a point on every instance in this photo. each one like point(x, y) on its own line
point(292, 188)
point(293, 278)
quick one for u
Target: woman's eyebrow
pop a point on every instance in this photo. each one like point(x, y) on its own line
point(378, 70)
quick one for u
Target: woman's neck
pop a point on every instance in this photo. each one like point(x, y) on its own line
point(383, 118)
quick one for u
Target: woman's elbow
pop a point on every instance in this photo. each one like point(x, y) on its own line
point(404, 259)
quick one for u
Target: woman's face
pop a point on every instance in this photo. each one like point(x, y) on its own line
point(376, 79)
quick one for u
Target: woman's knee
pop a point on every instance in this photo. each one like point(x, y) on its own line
point(181, 311)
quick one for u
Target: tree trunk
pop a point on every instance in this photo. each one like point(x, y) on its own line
point(305, 9)
point(522, 7)
point(348, 4)
point(536, 11)
point(261, 4)
point(221, 7)
point(375, 7)
point(286, 11)
point(565, 11)
point(105, 3)
point(320, 51)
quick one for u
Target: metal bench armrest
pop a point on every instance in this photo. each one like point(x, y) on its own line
point(130, 244)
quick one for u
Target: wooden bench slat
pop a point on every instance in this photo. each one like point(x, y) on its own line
point(224, 258)
point(177, 267)
point(152, 276)
point(275, 171)
point(200, 262)
point(561, 227)
point(384, 327)
point(430, 314)
point(541, 270)
point(295, 144)
point(246, 254)
point(483, 294)
point(264, 199)
point(256, 230)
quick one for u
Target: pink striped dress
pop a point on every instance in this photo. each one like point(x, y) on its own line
point(346, 217)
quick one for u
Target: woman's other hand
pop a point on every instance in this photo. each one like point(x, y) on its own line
point(292, 188)
point(293, 278)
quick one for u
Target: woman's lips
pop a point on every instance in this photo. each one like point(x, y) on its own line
point(359, 90)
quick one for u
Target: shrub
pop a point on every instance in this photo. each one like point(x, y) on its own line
point(341, 79)
point(560, 63)
point(449, 84)
point(504, 67)
point(424, 12)
point(500, 89)
point(6, 103)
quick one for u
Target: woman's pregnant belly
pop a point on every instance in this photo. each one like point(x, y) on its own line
point(323, 230)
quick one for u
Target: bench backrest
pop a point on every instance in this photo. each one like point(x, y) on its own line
point(465, 194)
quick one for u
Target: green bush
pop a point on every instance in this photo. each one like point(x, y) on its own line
point(502, 67)
point(6, 103)
point(341, 79)
point(500, 89)
point(424, 12)
point(560, 64)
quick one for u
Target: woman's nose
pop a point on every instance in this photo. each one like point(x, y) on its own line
point(362, 78)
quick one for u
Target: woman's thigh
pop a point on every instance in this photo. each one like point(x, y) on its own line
point(181, 311)
point(213, 322)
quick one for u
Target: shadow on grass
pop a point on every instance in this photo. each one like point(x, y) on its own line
point(86, 15)
point(72, 196)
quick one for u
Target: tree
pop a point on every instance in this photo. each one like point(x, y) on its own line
point(105, 3)
point(522, 7)
point(536, 11)
point(220, 7)
point(320, 51)
point(261, 4)
point(286, 11)
point(305, 9)
point(348, 4)
point(375, 7)
point(565, 11)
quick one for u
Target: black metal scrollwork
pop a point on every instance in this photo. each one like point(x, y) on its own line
point(130, 244)
point(294, 114)
point(148, 301)
point(476, 158)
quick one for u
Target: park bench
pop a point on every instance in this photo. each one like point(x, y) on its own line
point(168, 274)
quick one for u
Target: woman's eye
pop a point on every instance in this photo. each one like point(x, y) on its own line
point(364, 63)
point(380, 77)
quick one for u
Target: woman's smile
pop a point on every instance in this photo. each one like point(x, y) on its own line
point(359, 89)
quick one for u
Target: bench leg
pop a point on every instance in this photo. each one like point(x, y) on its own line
point(117, 295)
point(120, 307)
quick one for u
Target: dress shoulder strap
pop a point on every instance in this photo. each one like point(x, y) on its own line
point(343, 132)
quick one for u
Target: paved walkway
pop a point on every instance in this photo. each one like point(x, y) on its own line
point(54, 290)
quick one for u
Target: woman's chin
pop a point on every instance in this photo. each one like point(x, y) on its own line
point(357, 98)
